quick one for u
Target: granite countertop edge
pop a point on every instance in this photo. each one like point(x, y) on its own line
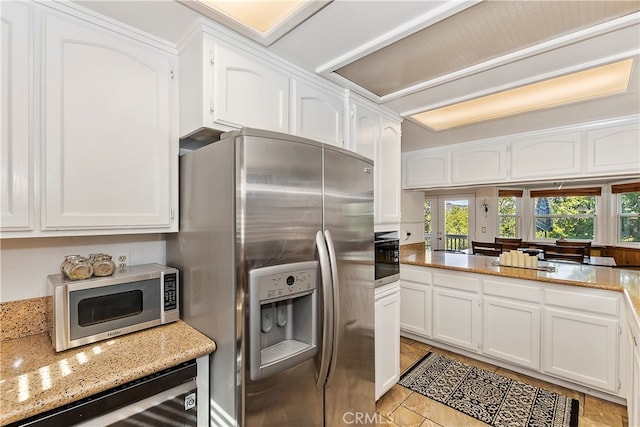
point(35, 379)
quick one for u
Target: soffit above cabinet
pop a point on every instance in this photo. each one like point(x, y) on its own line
point(412, 56)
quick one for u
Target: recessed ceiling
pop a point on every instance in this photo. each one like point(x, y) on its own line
point(480, 33)
point(262, 21)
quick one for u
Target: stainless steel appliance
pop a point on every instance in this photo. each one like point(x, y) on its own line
point(387, 257)
point(275, 251)
point(166, 398)
point(132, 299)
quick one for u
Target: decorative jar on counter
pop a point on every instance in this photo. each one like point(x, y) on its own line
point(102, 264)
point(67, 259)
point(78, 268)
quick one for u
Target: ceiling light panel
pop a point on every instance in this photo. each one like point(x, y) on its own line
point(482, 32)
point(261, 16)
point(581, 86)
point(263, 21)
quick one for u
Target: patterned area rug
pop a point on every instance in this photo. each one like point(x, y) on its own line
point(487, 396)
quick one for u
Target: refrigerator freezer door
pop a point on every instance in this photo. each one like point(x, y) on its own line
point(350, 391)
point(279, 212)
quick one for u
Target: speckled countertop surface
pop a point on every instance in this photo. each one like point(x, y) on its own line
point(607, 278)
point(35, 379)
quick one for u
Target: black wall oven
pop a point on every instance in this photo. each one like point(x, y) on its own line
point(387, 257)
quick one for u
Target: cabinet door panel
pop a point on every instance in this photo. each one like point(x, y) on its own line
point(614, 149)
point(387, 174)
point(248, 92)
point(487, 163)
point(553, 156)
point(426, 169)
point(581, 348)
point(387, 342)
point(108, 133)
point(456, 318)
point(317, 115)
point(415, 316)
point(16, 158)
point(366, 130)
point(511, 331)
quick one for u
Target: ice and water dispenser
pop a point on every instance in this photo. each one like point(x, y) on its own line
point(283, 316)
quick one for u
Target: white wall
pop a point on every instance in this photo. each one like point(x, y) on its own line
point(26, 263)
point(412, 217)
point(486, 226)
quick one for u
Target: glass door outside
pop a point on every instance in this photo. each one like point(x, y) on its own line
point(449, 221)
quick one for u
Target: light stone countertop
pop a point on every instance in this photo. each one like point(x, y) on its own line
point(35, 379)
point(606, 278)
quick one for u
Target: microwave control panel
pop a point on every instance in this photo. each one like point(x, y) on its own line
point(170, 291)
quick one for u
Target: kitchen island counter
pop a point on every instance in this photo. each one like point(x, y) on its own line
point(605, 278)
point(35, 379)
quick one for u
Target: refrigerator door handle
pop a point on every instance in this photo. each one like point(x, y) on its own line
point(327, 302)
point(336, 302)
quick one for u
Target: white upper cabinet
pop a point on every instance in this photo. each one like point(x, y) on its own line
point(427, 168)
point(365, 129)
point(614, 148)
point(610, 148)
point(110, 158)
point(377, 136)
point(479, 163)
point(222, 87)
point(388, 173)
point(248, 92)
point(16, 144)
point(317, 113)
point(553, 156)
point(106, 130)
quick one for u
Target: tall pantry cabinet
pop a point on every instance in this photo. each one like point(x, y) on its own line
point(106, 132)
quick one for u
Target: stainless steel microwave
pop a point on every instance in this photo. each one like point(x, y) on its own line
point(95, 309)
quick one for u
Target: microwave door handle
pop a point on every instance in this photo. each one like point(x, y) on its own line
point(327, 302)
point(336, 301)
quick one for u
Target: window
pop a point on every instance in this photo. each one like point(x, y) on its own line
point(568, 214)
point(628, 212)
point(508, 210)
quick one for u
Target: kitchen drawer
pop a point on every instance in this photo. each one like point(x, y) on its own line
point(461, 282)
point(586, 300)
point(415, 274)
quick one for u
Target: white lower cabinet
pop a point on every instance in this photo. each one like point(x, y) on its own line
point(387, 337)
point(633, 370)
point(581, 348)
point(415, 297)
point(511, 331)
point(511, 321)
point(566, 332)
point(581, 336)
point(456, 317)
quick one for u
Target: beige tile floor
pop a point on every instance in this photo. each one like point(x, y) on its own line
point(402, 407)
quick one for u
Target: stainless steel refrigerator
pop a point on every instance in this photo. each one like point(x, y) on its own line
point(275, 251)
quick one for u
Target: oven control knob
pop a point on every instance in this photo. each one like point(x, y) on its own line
point(290, 280)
